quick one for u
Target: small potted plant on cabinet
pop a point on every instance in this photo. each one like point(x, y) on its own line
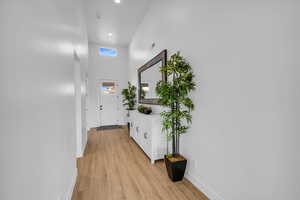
point(144, 110)
point(174, 94)
point(129, 99)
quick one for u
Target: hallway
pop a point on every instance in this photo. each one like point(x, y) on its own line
point(212, 86)
point(115, 168)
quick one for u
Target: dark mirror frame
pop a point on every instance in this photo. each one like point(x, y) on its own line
point(161, 57)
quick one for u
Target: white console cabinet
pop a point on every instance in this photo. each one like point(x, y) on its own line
point(146, 131)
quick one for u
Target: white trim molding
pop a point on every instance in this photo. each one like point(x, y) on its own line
point(207, 190)
point(72, 185)
point(84, 147)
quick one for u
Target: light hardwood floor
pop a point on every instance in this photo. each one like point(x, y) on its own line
point(115, 168)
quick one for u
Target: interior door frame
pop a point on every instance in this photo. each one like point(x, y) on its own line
point(78, 102)
point(99, 83)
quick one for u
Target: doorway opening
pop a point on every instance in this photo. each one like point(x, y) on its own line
point(80, 85)
point(109, 103)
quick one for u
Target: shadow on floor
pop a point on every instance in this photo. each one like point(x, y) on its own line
point(103, 128)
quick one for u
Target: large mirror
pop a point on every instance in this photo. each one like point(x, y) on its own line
point(149, 75)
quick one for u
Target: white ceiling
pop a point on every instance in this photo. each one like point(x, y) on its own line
point(119, 19)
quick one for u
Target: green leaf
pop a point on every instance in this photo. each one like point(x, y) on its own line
point(174, 95)
point(129, 97)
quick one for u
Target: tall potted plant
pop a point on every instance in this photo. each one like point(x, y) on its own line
point(174, 94)
point(129, 99)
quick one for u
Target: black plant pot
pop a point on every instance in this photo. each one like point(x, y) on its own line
point(148, 111)
point(176, 169)
point(128, 126)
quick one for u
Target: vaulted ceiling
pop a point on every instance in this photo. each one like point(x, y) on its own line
point(113, 24)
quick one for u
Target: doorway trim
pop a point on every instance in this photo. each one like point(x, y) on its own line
point(80, 110)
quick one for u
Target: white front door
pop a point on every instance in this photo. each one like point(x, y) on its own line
point(109, 105)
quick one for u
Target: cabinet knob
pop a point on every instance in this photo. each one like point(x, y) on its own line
point(146, 135)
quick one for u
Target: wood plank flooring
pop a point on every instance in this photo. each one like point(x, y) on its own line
point(115, 168)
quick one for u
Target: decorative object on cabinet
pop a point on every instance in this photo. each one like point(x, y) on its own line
point(145, 110)
point(148, 75)
point(174, 94)
point(129, 99)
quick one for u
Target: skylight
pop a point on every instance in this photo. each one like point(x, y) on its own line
point(107, 52)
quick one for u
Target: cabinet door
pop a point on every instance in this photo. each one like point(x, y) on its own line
point(146, 138)
point(137, 133)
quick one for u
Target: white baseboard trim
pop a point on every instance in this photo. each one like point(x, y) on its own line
point(84, 146)
point(208, 191)
point(72, 185)
point(81, 154)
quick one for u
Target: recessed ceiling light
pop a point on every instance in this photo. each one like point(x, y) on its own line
point(117, 1)
point(110, 34)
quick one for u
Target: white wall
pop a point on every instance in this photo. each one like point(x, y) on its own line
point(37, 110)
point(105, 67)
point(243, 143)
